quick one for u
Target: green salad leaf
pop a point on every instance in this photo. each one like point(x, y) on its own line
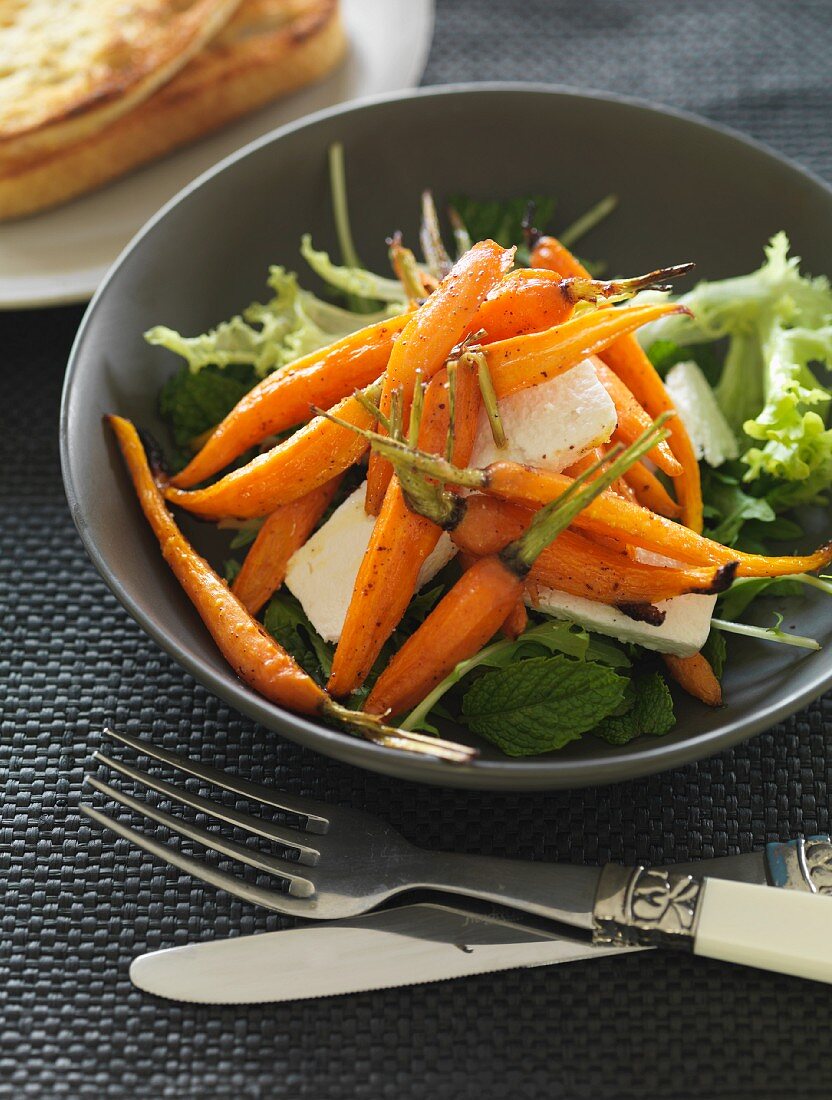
point(715, 652)
point(267, 336)
point(745, 590)
point(289, 625)
point(729, 505)
point(651, 712)
point(353, 280)
point(665, 354)
point(549, 637)
point(778, 323)
point(193, 403)
point(542, 703)
point(502, 220)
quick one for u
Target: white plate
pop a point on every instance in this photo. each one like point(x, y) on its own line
point(61, 256)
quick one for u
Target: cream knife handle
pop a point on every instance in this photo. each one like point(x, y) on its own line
point(787, 931)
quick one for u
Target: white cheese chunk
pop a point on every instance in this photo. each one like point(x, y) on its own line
point(683, 632)
point(695, 401)
point(322, 573)
point(551, 425)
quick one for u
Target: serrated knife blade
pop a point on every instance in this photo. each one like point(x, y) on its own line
point(408, 945)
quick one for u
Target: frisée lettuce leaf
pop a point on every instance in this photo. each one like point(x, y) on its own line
point(779, 325)
point(267, 336)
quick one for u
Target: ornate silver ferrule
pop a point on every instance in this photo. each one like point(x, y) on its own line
point(637, 906)
point(802, 864)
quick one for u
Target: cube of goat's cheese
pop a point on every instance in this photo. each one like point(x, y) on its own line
point(683, 632)
point(322, 573)
point(551, 425)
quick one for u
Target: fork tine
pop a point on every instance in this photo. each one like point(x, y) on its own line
point(315, 822)
point(221, 880)
point(287, 837)
point(299, 887)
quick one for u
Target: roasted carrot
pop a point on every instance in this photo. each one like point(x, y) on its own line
point(632, 419)
point(516, 621)
point(284, 532)
point(461, 623)
point(607, 515)
point(523, 361)
point(308, 459)
point(283, 399)
point(431, 334)
point(550, 254)
point(524, 301)
point(529, 300)
point(253, 654)
point(479, 603)
point(610, 515)
point(650, 492)
point(629, 361)
point(696, 676)
point(575, 564)
point(401, 540)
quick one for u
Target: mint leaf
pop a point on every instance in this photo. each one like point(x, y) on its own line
point(651, 712)
point(541, 704)
point(715, 651)
point(191, 404)
point(288, 624)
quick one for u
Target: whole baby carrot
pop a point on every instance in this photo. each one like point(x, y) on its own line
point(255, 656)
point(401, 540)
point(306, 460)
point(578, 565)
point(282, 399)
point(284, 532)
point(610, 515)
point(523, 361)
point(607, 515)
point(629, 361)
point(532, 299)
point(430, 336)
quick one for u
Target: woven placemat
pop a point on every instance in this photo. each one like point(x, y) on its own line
point(76, 906)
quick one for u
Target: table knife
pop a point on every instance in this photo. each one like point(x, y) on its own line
point(419, 943)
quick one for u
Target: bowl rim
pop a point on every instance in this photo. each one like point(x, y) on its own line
point(617, 764)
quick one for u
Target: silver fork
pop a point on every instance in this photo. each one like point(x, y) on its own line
point(344, 862)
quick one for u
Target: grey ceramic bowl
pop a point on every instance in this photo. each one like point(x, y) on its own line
point(688, 190)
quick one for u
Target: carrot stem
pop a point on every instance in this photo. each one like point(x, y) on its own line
point(559, 513)
point(489, 398)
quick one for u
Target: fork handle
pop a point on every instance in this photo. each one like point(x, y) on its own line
point(781, 930)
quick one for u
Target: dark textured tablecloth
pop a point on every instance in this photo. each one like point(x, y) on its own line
point(77, 905)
